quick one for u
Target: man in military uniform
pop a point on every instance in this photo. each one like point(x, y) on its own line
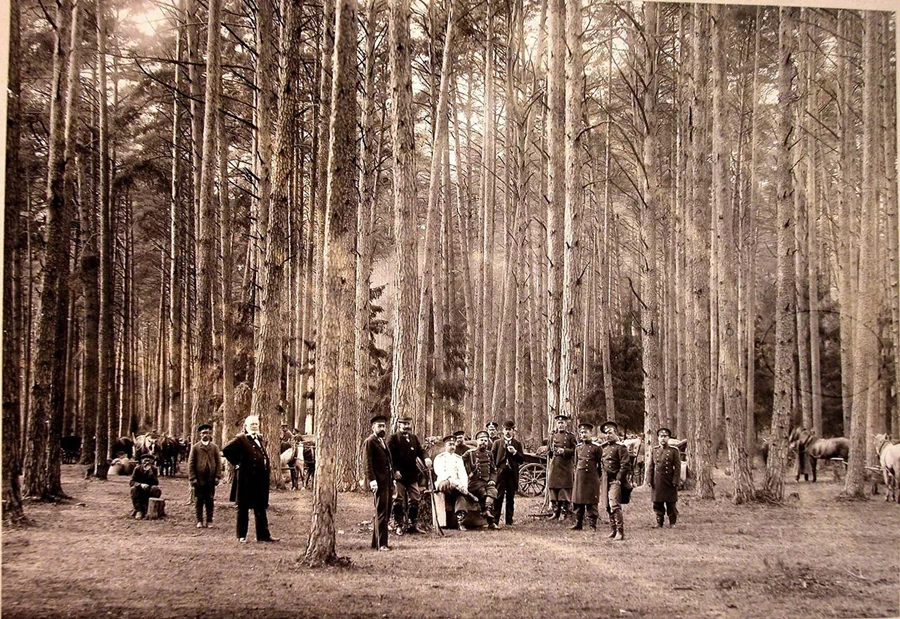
point(614, 483)
point(493, 431)
point(663, 473)
point(461, 447)
point(586, 491)
point(408, 459)
point(452, 480)
point(507, 452)
point(562, 471)
point(483, 476)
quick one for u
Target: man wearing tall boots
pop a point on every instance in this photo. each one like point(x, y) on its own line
point(507, 452)
point(483, 476)
point(562, 471)
point(250, 485)
point(663, 473)
point(586, 491)
point(379, 473)
point(409, 461)
point(452, 480)
point(614, 485)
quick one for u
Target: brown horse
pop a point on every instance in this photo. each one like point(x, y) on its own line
point(889, 458)
point(809, 445)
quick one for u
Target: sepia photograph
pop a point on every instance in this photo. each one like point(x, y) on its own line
point(534, 309)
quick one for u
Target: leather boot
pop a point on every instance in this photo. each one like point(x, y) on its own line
point(555, 507)
point(398, 517)
point(672, 518)
point(593, 523)
point(565, 510)
point(413, 519)
point(660, 518)
point(620, 527)
point(613, 527)
point(579, 521)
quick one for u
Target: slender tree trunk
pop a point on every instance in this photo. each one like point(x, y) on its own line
point(402, 129)
point(785, 321)
point(865, 338)
point(556, 202)
point(570, 340)
point(14, 204)
point(698, 262)
point(335, 386)
point(176, 248)
point(727, 272)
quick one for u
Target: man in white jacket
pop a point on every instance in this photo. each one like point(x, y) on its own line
point(452, 479)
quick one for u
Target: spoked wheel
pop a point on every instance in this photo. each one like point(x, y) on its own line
point(532, 479)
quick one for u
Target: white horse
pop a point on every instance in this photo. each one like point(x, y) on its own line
point(889, 458)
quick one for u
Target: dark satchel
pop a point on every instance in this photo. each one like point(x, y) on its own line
point(627, 487)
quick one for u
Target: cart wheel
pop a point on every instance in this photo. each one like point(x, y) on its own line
point(532, 479)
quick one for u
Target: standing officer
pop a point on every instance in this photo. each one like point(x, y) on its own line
point(407, 456)
point(508, 458)
point(562, 471)
point(483, 476)
point(663, 473)
point(586, 492)
point(250, 485)
point(614, 483)
point(378, 476)
point(204, 473)
point(493, 434)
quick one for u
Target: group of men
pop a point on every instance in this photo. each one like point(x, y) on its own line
point(484, 479)
point(584, 473)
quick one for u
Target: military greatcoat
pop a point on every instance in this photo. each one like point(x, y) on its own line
point(664, 471)
point(562, 465)
point(587, 474)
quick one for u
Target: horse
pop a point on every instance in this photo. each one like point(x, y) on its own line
point(292, 459)
point(123, 446)
point(806, 443)
point(168, 456)
point(889, 458)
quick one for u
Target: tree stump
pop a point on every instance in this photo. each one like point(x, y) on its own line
point(156, 509)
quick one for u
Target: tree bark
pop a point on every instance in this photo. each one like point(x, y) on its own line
point(335, 385)
point(729, 359)
point(785, 321)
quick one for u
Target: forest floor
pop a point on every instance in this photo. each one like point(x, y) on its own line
point(812, 557)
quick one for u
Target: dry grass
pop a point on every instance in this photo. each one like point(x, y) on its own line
point(812, 557)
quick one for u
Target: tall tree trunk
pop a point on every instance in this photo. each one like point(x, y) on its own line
point(204, 408)
point(785, 321)
point(432, 232)
point(698, 262)
point(335, 385)
point(14, 203)
point(402, 130)
point(176, 247)
point(865, 338)
point(50, 350)
point(556, 202)
point(727, 272)
point(228, 319)
point(570, 338)
point(650, 322)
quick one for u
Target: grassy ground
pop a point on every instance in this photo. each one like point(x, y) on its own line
point(813, 557)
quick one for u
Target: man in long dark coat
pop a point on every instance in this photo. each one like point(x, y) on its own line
point(507, 452)
point(250, 484)
point(586, 491)
point(408, 459)
point(663, 473)
point(562, 467)
point(379, 472)
point(615, 481)
point(204, 472)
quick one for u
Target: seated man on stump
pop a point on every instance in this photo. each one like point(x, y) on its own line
point(144, 485)
point(483, 476)
point(452, 479)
